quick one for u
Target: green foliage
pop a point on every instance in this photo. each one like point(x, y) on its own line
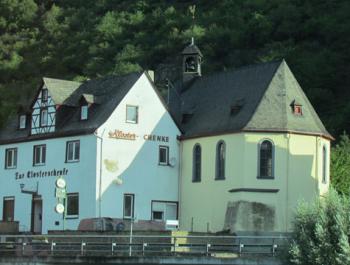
point(340, 165)
point(73, 39)
point(321, 232)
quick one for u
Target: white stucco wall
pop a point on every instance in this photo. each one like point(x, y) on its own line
point(80, 178)
point(131, 166)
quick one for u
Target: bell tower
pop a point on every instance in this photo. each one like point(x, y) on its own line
point(191, 62)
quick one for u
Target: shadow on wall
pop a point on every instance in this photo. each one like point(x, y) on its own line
point(275, 216)
point(139, 173)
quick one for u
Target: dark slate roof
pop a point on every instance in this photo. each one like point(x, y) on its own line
point(107, 91)
point(192, 49)
point(251, 98)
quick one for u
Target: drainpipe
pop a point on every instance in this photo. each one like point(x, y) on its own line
point(287, 180)
point(179, 180)
point(100, 173)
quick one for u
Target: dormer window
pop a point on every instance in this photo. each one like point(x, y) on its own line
point(22, 121)
point(84, 111)
point(296, 108)
point(44, 95)
point(43, 117)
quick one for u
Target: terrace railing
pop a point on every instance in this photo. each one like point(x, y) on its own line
point(140, 245)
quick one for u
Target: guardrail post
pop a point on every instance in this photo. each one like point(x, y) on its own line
point(144, 245)
point(23, 246)
point(174, 247)
point(53, 244)
point(208, 247)
point(83, 244)
point(274, 247)
point(241, 246)
point(113, 245)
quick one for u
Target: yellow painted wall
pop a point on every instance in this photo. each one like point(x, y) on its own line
point(203, 205)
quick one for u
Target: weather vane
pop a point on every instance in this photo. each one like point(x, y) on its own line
point(192, 11)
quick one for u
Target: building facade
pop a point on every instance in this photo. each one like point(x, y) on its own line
point(231, 151)
point(114, 143)
point(252, 148)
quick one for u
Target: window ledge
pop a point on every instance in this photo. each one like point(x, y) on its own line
point(220, 179)
point(68, 217)
point(72, 161)
point(262, 177)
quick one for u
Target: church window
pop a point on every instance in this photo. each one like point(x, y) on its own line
point(197, 163)
point(220, 160)
point(266, 158)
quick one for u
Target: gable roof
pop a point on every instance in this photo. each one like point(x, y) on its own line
point(109, 91)
point(251, 98)
point(60, 90)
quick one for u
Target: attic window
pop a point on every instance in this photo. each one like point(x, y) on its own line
point(297, 108)
point(236, 106)
point(84, 111)
point(44, 95)
point(235, 109)
point(22, 121)
point(186, 117)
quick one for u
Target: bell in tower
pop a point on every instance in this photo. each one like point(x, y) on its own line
point(191, 62)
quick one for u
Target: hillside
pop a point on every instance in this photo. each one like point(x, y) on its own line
point(83, 39)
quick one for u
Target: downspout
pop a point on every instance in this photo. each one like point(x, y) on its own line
point(287, 181)
point(100, 173)
point(179, 180)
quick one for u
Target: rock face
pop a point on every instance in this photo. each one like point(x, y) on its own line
point(249, 216)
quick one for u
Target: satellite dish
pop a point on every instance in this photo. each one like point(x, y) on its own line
point(172, 162)
point(59, 208)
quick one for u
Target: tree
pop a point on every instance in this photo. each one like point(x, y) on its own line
point(340, 165)
point(321, 232)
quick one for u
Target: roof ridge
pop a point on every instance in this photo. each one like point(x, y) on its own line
point(60, 80)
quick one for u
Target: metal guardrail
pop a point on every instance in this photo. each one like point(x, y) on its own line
point(141, 245)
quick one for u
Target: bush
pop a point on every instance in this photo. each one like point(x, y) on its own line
point(321, 232)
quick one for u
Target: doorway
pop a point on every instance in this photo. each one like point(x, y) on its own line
point(37, 213)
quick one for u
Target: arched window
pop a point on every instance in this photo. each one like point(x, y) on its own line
point(197, 163)
point(220, 160)
point(266, 160)
point(324, 164)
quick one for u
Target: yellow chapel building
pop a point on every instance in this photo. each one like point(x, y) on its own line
point(252, 147)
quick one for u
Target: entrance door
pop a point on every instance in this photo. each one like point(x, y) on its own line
point(37, 211)
point(8, 209)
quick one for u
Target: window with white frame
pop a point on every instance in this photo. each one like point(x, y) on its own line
point(132, 114)
point(39, 155)
point(163, 155)
point(11, 158)
point(129, 200)
point(84, 111)
point(72, 205)
point(43, 117)
point(22, 121)
point(73, 151)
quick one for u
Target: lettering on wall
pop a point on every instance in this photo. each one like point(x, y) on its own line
point(42, 173)
point(118, 134)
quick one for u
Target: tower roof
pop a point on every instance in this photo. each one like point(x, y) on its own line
point(192, 49)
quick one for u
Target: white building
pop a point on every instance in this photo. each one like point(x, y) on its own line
point(111, 139)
